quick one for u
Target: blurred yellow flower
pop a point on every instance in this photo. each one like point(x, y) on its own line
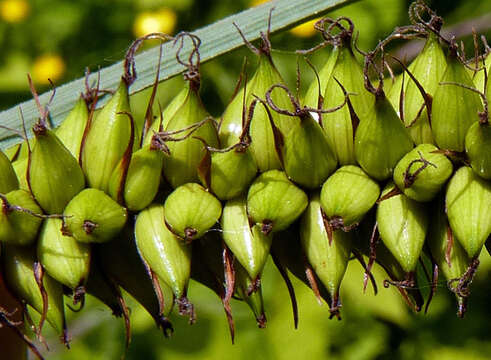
point(13, 11)
point(48, 66)
point(257, 2)
point(163, 20)
point(304, 30)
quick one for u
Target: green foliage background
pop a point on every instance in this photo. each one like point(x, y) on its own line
point(96, 33)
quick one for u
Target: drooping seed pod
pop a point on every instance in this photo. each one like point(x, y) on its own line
point(453, 106)
point(402, 223)
point(274, 202)
point(166, 255)
point(228, 172)
point(468, 204)
point(71, 130)
point(136, 187)
point(92, 216)
point(427, 68)
point(26, 279)
point(367, 242)
point(54, 175)
point(8, 179)
point(478, 139)
point(340, 126)
point(329, 257)
point(190, 211)
point(422, 172)
point(347, 196)
point(19, 224)
point(450, 257)
point(262, 144)
point(122, 265)
point(191, 117)
point(111, 134)
point(64, 259)
point(304, 151)
point(249, 244)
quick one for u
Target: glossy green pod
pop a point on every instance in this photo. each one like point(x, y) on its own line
point(274, 202)
point(166, 255)
point(19, 267)
point(107, 139)
point(120, 261)
point(16, 226)
point(228, 174)
point(12, 152)
point(348, 195)
point(140, 184)
point(181, 166)
point(446, 251)
point(71, 130)
point(478, 148)
point(190, 211)
point(381, 140)
point(307, 156)
point(428, 68)
point(420, 181)
point(254, 299)
point(328, 257)
point(8, 179)
point(454, 108)
point(468, 204)
point(64, 259)
point(20, 168)
point(340, 126)
point(403, 224)
point(92, 216)
point(54, 175)
point(262, 145)
point(249, 245)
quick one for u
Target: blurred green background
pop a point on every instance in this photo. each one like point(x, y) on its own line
point(58, 39)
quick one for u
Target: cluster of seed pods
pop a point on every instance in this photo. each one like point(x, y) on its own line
point(401, 177)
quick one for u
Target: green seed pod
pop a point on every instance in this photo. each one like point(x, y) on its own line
point(329, 258)
point(402, 223)
point(20, 168)
point(190, 211)
point(304, 151)
point(166, 255)
point(137, 187)
point(274, 202)
point(347, 196)
point(311, 98)
point(71, 130)
point(64, 259)
point(381, 140)
point(54, 175)
point(243, 285)
point(262, 144)
point(249, 245)
point(228, 174)
point(107, 139)
point(12, 152)
point(181, 166)
point(167, 114)
point(17, 224)
point(427, 68)
point(92, 216)
point(449, 255)
point(22, 273)
point(8, 180)
point(478, 147)
point(453, 107)
point(121, 263)
point(468, 203)
point(423, 181)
